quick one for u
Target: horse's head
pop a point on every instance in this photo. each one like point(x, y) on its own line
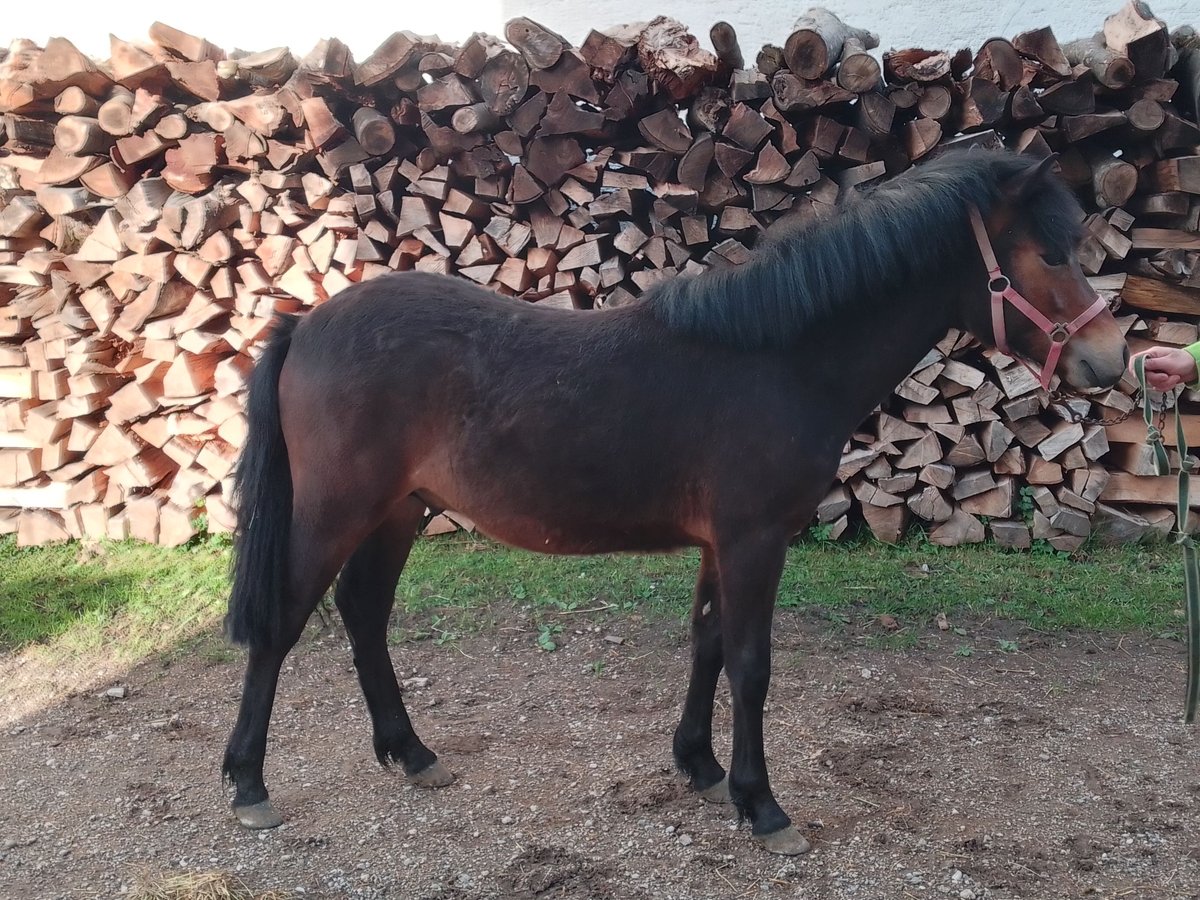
point(1030, 293)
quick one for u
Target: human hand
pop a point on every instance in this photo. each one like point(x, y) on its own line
point(1167, 367)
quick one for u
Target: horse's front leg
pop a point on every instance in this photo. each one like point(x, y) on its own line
point(749, 566)
point(693, 738)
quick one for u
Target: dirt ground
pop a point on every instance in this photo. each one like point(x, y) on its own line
point(1057, 771)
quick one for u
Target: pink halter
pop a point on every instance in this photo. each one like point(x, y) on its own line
point(1002, 289)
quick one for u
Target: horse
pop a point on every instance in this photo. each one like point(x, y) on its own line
point(709, 413)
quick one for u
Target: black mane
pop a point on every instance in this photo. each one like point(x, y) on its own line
point(900, 233)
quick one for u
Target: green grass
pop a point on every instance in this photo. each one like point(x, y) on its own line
point(134, 597)
point(145, 598)
point(1131, 587)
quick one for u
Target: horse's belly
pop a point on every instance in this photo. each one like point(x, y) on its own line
point(565, 512)
point(567, 529)
point(582, 537)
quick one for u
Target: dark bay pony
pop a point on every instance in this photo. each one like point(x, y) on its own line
point(712, 414)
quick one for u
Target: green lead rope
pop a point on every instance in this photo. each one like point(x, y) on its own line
point(1191, 571)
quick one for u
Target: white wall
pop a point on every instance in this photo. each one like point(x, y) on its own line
point(257, 25)
point(934, 24)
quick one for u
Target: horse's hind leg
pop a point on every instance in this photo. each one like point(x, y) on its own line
point(314, 560)
point(365, 593)
point(693, 738)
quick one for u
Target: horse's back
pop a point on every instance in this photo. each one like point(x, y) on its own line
point(391, 312)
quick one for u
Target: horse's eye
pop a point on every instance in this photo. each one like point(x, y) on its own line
point(1054, 258)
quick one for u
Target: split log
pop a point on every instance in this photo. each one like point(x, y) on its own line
point(136, 148)
point(982, 105)
point(930, 505)
point(503, 82)
point(61, 65)
point(999, 62)
point(1076, 128)
point(1041, 45)
point(540, 46)
point(960, 528)
point(1023, 107)
point(606, 52)
point(887, 524)
point(570, 74)
point(131, 65)
point(329, 62)
point(665, 129)
point(189, 166)
point(397, 51)
point(190, 47)
point(1117, 526)
point(200, 79)
point(323, 127)
point(261, 113)
point(876, 113)
point(448, 92)
point(265, 69)
point(920, 136)
point(1181, 174)
point(563, 116)
point(109, 180)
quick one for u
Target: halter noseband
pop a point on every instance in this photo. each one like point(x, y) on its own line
point(1001, 289)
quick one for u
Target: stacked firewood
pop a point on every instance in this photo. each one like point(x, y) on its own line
point(967, 446)
point(158, 207)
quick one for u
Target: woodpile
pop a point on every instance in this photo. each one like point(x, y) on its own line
point(157, 207)
point(968, 447)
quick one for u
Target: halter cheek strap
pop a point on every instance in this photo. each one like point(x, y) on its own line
point(1002, 290)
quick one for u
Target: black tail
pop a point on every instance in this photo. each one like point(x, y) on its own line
point(263, 494)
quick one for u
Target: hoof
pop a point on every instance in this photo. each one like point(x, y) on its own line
point(259, 816)
point(784, 842)
point(717, 793)
point(433, 776)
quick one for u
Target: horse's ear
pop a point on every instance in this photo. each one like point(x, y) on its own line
point(1020, 186)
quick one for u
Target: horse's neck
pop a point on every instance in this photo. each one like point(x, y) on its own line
point(873, 352)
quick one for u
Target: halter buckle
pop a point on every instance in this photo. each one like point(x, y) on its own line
point(998, 284)
point(1060, 333)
